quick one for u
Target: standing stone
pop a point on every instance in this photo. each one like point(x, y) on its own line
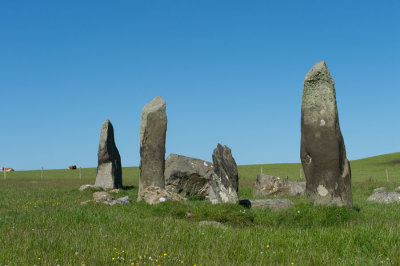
point(153, 128)
point(322, 153)
point(225, 165)
point(221, 190)
point(109, 170)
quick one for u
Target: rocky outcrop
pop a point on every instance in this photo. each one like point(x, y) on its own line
point(267, 185)
point(221, 190)
point(153, 128)
point(323, 153)
point(225, 165)
point(187, 176)
point(154, 195)
point(109, 170)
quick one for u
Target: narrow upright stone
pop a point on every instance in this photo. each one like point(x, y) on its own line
point(109, 170)
point(322, 152)
point(153, 128)
point(225, 165)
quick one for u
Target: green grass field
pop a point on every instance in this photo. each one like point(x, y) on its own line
point(42, 223)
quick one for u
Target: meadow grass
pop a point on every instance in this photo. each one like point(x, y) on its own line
point(43, 223)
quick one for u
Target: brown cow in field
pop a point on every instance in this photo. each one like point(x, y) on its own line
point(72, 167)
point(7, 169)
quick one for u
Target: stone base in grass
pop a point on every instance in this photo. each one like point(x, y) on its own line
point(272, 204)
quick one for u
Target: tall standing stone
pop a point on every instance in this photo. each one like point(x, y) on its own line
point(153, 128)
point(225, 165)
point(322, 153)
point(109, 170)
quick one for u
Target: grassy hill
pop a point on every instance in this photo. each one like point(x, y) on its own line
point(42, 223)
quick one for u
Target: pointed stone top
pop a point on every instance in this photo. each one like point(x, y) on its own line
point(319, 71)
point(155, 104)
point(106, 123)
point(106, 128)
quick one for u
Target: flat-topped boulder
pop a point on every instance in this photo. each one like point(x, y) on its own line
point(187, 176)
point(272, 204)
point(322, 152)
point(267, 185)
point(153, 129)
point(109, 170)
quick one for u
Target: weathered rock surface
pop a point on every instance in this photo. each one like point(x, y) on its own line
point(267, 185)
point(385, 197)
point(89, 187)
point(225, 165)
point(273, 204)
point(153, 128)
point(123, 200)
point(221, 190)
point(154, 195)
point(109, 170)
point(397, 189)
point(106, 198)
point(102, 196)
point(187, 176)
point(323, 153)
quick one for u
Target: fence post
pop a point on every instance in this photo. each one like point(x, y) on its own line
point(5, 174)
point(42, 173)
point(387, 175)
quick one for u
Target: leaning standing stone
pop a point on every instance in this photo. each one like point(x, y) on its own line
point(225, 165)
point(153, 128)
point(323, 154)
point(109, 170)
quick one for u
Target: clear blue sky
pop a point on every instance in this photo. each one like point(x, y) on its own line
point(230, 71)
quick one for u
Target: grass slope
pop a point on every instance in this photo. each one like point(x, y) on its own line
point(42, 223)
